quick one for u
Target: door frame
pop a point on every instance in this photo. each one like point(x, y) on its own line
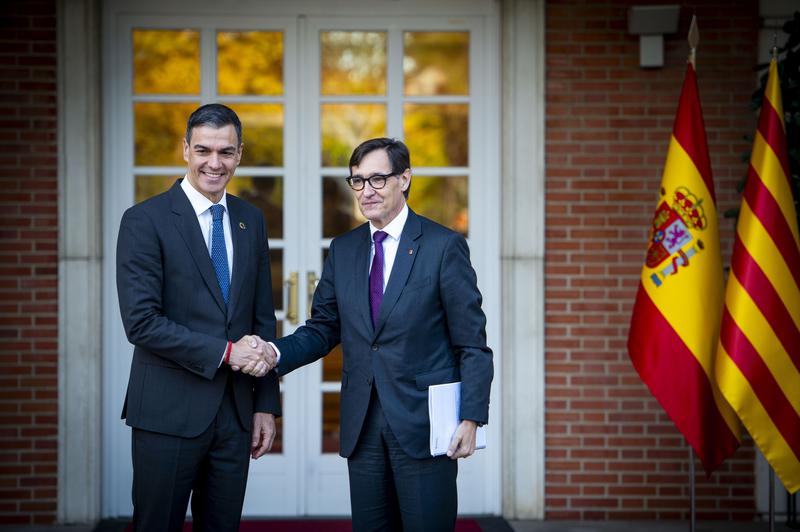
point(80, 86)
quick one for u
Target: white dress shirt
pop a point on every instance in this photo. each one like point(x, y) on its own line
point(390, 244)
point(202, 208)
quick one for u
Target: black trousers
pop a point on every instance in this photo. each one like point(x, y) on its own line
point(389, 490)
point(211, 467)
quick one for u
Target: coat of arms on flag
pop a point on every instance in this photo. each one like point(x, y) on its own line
point(674, 235)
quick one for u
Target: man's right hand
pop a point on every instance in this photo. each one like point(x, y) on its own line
point(253, 356)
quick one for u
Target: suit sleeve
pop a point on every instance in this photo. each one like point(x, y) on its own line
point(466, 325)
point(140, 278)
point(322, 332)
point(267, 396)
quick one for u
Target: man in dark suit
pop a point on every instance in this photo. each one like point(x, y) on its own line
point(401, 296)
point(195, 295)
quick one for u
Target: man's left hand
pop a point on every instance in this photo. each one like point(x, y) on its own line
point(463, 442)
point(263, 434)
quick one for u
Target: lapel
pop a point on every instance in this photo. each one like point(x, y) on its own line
point(241, 251)
point(403, 261)
point(189, 228)
point(361, 275)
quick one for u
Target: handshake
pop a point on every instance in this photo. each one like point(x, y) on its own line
point(253, 356)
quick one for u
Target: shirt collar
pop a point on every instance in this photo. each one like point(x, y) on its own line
point(200, 203)
point(394, 228)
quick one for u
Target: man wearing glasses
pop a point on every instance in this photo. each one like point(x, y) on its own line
point(401, 296)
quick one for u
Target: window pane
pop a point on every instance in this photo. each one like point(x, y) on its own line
point(442, 199)
point(330, 422)
point(437, 134)
point(250, 62)
point(262, 133)
point(166, 62)
point(353, 62)
point(436, 63)
point(340, 211)
point(148, 186)
point(266, 193)
point(158, 132)
point(332, 365)
point(345, 126)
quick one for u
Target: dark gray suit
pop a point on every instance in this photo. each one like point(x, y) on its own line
point(431, 330)
point(174, 314)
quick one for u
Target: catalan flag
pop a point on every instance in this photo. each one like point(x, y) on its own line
point(676, 316)
point(758, 360)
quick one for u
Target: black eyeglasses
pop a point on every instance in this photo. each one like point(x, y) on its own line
point(376, 181)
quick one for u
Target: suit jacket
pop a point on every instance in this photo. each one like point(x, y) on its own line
point(431, 330)
point(174, 315)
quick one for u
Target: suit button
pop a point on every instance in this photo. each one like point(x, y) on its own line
point(369, 380)
point(374, 347)
point(230, 326)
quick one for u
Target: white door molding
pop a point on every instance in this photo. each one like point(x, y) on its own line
point(523, 182)
point(79, 262)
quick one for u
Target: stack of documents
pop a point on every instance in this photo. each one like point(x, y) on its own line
point(444, 402)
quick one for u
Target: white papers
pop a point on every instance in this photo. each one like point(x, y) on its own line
point(443, 408)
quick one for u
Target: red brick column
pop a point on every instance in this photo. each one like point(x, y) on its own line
point(612, 453)
point(28, 263)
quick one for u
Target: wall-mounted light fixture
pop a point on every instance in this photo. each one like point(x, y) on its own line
point(651, 23)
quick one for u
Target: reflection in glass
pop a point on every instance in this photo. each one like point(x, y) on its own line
point(250, 62)
point(158, 132)
point(262, 133)
point(330, 422)
point(276, 268)
point(442, 199)
point(266, 193)
point(147, 186)
point(436, 63)
point(345, 126)
point(332, 365)
point(340, 211)
point(166, 62)
point(437, 134)
point(353, 62)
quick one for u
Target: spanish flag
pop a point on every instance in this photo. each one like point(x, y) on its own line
point(675, 323)
point(758, 359)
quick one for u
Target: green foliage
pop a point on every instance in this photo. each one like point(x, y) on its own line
point(789, 73)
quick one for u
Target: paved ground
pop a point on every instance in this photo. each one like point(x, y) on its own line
point(642, 526)
point(536, 526)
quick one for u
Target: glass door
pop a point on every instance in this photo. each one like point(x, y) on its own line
point(308, 90)
point(368, 78)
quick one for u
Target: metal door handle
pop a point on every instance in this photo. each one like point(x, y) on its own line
point(311, 285)
point(291, 310)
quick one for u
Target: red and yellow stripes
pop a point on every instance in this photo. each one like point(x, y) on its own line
point(758, 358)
point(675, 322)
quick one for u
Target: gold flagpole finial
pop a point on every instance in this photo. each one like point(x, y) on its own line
point(694, 39)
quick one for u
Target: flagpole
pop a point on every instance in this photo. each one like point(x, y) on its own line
point(692, 517)
point(694, 39)
point(771, 500)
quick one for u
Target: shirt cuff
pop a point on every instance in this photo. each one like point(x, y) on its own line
point(277, 352)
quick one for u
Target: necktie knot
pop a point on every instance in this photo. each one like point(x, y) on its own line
point(217, 211)
point(379, 236)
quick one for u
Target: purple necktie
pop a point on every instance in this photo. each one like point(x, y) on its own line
point(376, 277)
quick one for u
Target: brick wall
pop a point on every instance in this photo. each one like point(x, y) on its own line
point(28, 263)
point(612, 453)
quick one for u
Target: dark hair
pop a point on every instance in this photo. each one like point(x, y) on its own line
point(395, 149)
point(215, 115)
